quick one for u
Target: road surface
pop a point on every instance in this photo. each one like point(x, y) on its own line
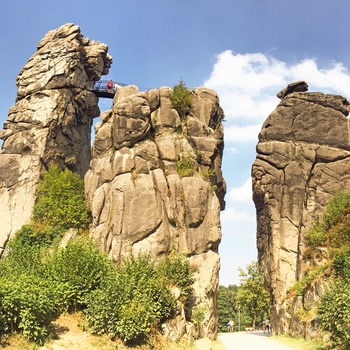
point(250, 341)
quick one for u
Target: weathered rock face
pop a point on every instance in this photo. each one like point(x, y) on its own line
point(51, 120)
point(138, 198)
point(303, 158)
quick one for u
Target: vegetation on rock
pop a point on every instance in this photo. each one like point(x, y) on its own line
point(39, 280)
point(185, 166)
point(329, 256)
point(181, 98)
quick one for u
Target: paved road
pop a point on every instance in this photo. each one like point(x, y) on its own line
point(250, 341)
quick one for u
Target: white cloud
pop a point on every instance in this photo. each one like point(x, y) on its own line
point(230, 215)
point(247, 85)
point(242, 193)
point(238, 133)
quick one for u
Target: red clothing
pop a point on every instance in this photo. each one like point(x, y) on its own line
point(110, 85)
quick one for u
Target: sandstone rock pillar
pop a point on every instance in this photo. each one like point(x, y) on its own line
point(140, 199)
point(50, 121)
point(303, 158)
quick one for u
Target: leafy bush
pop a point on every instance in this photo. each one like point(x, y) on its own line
point(198, 313)
point(176, 271)
point(81, 268)
point(138, 299)
point(181, 98)
point(27, 305)
point(335, 209)
point(24, 254)
point(61, 201)
point(308, 278)
point(341, 263)
point(38, 280)
point(334, 313)
point(185, 166)
point(317, 236)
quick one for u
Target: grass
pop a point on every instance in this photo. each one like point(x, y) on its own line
point(299, 343)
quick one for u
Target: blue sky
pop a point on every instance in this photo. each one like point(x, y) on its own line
point(246, 50)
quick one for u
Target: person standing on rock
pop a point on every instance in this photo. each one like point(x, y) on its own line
point(267, 325)
point(110, 85)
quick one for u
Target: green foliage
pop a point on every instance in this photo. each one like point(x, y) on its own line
point(24, 254)
point(185, 166)
point(176, 271)
point(334, 313)
point(137, 299)
point(341, 263)
point(38, 280)
point(198, 313)
point(333, 228)
point(181, 98)
point(252, 294)
point(81, 268)
point(61, 201)
point(27, 305)
point(309, 276)
point(332, 231)
point(317, 235)
point(227, 307)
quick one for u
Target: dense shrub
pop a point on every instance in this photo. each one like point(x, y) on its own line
point(27, 305)
point(176, 271)
point(138, 299)
point(181, 98)
point(38, 280)
point(332, 231)
point(341, 263)
point(24, 254)
point(81, 268)
point(61, 201)
point(334, 313)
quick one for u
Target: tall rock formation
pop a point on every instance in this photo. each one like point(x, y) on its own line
point(303, 158)
point(50, 121)
point(153, 181)
point(155, 185)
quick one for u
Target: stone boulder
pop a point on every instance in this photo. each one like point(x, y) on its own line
point(302, 160)
point(50, 121)
point(141, 202)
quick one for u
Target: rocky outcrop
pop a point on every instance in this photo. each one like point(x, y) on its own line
point(155, 185)
point(50, 121)
point(153, 179)
point(303, 158)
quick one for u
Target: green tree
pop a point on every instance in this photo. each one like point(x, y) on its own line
point(252, 295)
point(61, 202)
point(181, 98)
point(226, 306)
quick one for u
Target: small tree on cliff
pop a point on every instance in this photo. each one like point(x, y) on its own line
point(252, 294)
point(181, 98)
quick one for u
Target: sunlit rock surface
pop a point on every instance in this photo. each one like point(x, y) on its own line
point(50, 121)
point(303, 158)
